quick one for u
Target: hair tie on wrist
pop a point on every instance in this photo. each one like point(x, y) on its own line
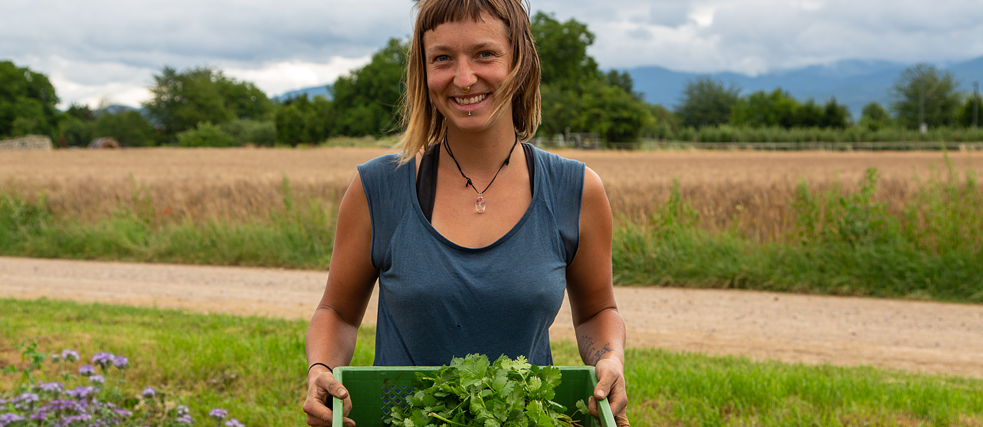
point(319, 363)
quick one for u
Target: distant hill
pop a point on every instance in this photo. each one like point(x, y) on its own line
point(852, 82)
point(323, 91)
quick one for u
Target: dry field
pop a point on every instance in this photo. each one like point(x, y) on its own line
point(753, 188)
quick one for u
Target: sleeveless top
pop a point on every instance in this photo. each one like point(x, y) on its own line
point(439, 300)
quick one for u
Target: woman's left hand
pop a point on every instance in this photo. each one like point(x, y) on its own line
point(611, 385)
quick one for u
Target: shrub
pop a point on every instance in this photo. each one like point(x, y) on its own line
point(205, 135)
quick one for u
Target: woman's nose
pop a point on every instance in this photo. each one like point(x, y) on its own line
point(464, 77)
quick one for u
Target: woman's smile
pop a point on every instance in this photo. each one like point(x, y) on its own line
point(471, 100)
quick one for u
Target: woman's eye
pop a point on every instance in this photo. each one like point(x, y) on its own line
point(441, 58)
point(486, 54)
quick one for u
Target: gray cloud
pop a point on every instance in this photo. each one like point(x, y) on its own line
point(101, 45)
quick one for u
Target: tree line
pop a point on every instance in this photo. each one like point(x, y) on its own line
point(922, 94)
point(202, 106)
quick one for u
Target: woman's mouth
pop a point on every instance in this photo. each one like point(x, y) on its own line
point(470, 100)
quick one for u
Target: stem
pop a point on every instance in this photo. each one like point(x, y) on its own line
point(434, 414)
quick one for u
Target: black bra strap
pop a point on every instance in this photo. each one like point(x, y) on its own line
point(426, 177)
point(426, 180)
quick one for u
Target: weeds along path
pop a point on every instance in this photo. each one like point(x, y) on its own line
point(911, 335)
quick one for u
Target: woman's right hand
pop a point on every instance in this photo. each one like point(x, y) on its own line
point(322, 387)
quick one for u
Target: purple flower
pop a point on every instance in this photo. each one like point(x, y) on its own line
point(182, 410)
point(87, 370)
point(80, 392)
point(233, 423)
point(103, 359)
point(62, 405)
point(39, 415)
point(184, 419)
point(28, 398)
point(123, 412)
point(69, 355)
point(218, 413)
point(97, 379)
point(121, 362)
point(49, 387)
point(76, 418)
point(10, 417)
point(150, 392)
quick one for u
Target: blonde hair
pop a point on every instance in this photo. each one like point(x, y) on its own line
point(422, 122)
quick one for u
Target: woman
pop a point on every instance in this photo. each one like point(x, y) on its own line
point(472, 236)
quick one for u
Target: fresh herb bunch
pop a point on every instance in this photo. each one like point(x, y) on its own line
point(473, 392)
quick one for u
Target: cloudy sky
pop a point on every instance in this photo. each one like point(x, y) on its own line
point(108, 50)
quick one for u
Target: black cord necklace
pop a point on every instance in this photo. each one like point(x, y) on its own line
point(479, 203)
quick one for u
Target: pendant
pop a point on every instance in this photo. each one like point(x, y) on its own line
point(479, 204)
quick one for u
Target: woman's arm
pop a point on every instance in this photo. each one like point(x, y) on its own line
point(599, 326)
point(334, 327)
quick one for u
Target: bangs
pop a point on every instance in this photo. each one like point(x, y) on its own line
point(456, 11)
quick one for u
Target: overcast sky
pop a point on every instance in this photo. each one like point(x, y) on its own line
point(107, 51)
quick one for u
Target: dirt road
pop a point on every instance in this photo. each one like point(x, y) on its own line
point(923, 336)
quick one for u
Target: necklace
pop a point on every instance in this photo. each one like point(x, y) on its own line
point(479, 203)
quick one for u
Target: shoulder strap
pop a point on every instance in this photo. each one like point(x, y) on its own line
point(426, 177)
point(426, 180)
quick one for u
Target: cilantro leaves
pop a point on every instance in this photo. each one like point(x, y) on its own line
point(472, 392)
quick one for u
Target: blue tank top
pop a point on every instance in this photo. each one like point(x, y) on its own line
point(439, 300)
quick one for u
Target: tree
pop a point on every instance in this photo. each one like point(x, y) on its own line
point(367, 100)
point(707, 102)
point(923, 94)
point(129, 127)
point(301, 120)
point(808, 114)
point(562, 49)
point(763, 109)
point(835, 115)
point(182, 100)
point(875, 117)
point(27, 102)
point(969, 113)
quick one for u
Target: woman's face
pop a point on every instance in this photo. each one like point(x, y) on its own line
point(466, 64)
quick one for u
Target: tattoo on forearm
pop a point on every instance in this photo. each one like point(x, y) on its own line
point(589, 350)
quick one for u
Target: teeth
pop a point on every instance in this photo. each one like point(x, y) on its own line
point(471, 100)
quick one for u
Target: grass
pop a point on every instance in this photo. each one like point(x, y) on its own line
point(254, 367)
point(292, 236)
point(840, 244)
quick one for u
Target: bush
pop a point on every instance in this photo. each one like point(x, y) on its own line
point(205, 135)
point(246, 131)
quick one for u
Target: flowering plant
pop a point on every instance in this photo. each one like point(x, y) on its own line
point(87, 399)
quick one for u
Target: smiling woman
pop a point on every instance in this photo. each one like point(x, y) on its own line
point(460, 275)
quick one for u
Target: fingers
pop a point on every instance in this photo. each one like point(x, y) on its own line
point(610, 385)
point(319, 400)
point(333, 387)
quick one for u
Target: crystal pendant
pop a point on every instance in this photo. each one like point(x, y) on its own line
point(479, 204)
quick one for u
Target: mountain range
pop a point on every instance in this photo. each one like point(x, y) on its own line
point(854, 83)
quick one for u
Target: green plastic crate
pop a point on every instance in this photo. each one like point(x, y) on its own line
point(376, 389)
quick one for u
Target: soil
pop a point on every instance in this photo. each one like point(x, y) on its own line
point(908, 335)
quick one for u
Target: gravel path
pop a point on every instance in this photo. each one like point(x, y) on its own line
point(923, 336)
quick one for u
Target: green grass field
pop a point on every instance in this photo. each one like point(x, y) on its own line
point(255, 368)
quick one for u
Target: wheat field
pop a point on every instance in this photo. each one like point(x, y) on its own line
point(748, 190)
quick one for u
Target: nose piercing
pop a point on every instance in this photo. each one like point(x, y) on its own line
point(465, 90)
